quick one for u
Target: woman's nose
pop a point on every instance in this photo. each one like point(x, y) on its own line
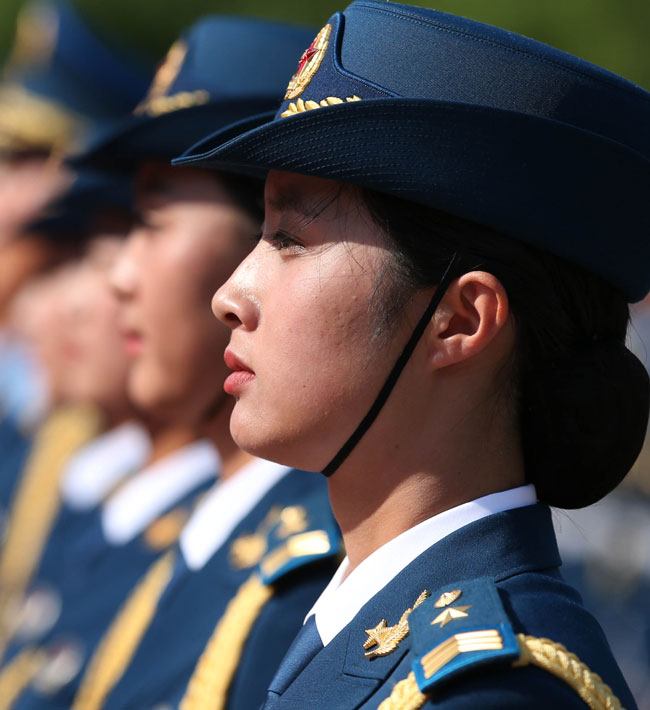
point(235, 303)
point(122, 276)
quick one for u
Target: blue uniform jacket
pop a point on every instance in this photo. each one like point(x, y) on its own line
point(506, 567)
point(90, 579)
point(194, 602)
point(14, 448)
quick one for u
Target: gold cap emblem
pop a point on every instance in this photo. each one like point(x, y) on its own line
point(308, 64)
point(168, 70)
point(164, 77)
point(36, 35)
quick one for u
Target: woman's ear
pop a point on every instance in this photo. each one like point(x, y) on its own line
point(470, 316)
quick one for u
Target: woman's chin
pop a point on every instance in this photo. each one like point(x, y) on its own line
point(264, 445)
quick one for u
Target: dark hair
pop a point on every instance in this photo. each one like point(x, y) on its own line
point(246, 192)
point(582, 397)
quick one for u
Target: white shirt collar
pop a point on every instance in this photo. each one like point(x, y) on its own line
point(341, 600)
point(224, 507)
point(153, 490)
point(93, 470)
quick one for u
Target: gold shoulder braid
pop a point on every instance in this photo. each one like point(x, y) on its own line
point(36, 503)
point(545, 654)
point(554, 658)
point(121, 641)
point(17, 675)
point(210, 682)
point(405, 696)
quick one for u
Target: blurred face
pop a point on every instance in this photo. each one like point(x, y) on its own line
point(21, 260)
point(39, 316)
point(93, 346)
point(306, 365)
point(189, 239)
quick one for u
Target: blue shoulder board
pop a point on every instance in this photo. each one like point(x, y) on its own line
point(301, 535)
point(459, 628)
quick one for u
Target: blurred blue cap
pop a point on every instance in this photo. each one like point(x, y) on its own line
point(61, 79)
point(469, 119)
point(72, 216)
point(222, 70)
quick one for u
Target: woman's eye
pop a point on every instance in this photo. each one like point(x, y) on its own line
point(282, 240)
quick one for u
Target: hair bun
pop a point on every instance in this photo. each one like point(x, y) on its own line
point(584, 422)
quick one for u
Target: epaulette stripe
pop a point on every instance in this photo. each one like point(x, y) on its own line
point(466, 642)
point(307, 544)
point(210, 682)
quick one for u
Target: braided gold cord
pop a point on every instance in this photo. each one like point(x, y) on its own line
point(36, 503)
point(121, 641)
point(545, 654)
point(406, 695)
point(210, 682)
point(17, 675)
point(554, 658)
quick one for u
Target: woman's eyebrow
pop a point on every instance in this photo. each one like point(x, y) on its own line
point(288, 202)
point(292, 202)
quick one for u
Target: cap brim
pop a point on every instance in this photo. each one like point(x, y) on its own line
point(70, 215)
point(542, 181)
point(122, 146)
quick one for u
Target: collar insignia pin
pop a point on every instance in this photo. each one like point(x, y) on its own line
point(387, 638)
point(450, 612)
point(447, 598)
point(249, 548)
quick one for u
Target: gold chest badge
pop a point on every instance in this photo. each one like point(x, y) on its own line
point(387, 638)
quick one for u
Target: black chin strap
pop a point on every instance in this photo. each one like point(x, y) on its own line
point(393, 376)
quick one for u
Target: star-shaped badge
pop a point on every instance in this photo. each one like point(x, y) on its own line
point(451, 613)
point(376, 635)
point(387, 638)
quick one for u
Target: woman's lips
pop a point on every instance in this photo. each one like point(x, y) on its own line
point(133, 342)
point(72, 350)
point(240, 376)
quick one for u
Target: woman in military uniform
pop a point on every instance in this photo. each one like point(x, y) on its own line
point(435, 318)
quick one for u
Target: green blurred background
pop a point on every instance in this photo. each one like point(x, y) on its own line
point(612, 33)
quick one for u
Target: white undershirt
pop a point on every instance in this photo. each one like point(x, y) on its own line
point(224, 507)
point(99, 465)
point(154, 489)
point(341, 600)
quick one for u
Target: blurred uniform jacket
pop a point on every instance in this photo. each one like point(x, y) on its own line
point(235, 594)
point(92, 560)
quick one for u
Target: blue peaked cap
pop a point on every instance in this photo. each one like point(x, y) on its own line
point(62, 79)
point(70, 217)
point(222, 70)
point(469, 119)
point(81, 71)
